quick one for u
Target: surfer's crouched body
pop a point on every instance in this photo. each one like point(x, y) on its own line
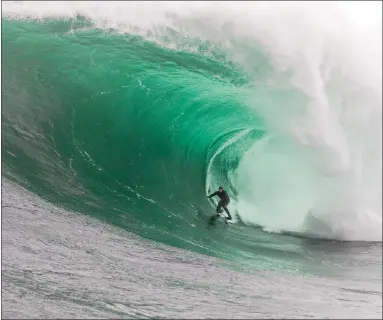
point(225, 200)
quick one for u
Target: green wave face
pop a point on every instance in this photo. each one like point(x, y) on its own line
point(135, 129)
point(114, 125)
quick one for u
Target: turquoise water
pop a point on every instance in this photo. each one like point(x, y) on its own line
point(133, 126)
point(120, 147)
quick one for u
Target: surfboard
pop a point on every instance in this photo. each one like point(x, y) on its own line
point(222, 217)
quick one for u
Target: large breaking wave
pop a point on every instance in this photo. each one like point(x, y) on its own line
point(134, 111)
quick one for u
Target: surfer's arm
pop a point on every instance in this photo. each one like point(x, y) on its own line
point(212, 195)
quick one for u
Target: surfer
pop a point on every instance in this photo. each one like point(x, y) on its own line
point(225, 200)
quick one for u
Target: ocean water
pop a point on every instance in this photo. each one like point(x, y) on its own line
point(119, 118)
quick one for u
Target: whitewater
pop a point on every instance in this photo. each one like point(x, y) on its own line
point(118, 118)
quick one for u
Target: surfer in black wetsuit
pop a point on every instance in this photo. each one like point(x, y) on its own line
point(225, 200)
